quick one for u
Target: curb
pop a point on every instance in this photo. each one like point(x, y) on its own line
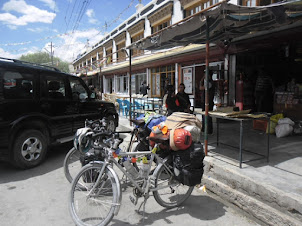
point(262, 201)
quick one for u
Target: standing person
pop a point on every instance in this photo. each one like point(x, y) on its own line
point(144, 88)
point(264, 89)
point(183, 98)
point(211, 101)
point(172, 103)
point(166, 85)
point(239, 92)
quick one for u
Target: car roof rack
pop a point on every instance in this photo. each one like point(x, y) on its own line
point(29, 63)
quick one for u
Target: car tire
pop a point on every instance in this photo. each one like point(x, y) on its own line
point(29, 149)
point(110, 124)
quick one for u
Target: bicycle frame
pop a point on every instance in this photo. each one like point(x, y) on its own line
point(110, 161)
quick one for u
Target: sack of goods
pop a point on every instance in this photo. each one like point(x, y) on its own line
point(188, 164)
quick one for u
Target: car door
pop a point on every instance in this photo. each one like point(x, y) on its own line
point(18, 98)
point(88, 108)
point(57, 104)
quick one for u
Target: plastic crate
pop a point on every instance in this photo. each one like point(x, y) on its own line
point(260, 124)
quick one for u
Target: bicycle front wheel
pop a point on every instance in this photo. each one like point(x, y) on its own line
point(170, 193)
point(97, 206)
point(72, 164)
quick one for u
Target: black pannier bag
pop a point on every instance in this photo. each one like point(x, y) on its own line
point(188, 164)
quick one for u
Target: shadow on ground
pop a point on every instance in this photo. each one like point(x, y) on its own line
point(53, 161)
point(196, 207)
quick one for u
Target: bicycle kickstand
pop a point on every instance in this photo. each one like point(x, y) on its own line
point(144, 208)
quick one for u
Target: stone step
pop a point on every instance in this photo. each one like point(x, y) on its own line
point(251, 190)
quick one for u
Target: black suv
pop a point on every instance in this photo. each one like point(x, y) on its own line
point(40, 106)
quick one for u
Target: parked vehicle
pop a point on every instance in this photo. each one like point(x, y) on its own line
point(41, 105)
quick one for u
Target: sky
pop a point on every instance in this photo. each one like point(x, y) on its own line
point(29, 26)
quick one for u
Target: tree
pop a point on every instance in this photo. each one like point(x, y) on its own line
point(45, 59)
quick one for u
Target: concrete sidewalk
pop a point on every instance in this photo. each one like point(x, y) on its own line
point(270, 191)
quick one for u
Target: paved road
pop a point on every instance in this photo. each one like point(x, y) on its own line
point(39, 196)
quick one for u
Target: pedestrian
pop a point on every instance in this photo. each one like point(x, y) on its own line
point(172, 102)
point(144, 88)
point(166, 85)
point(183, 98)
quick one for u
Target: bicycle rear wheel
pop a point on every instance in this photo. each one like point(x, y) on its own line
point(72, 164)
point(170, 193)
point(95, 207)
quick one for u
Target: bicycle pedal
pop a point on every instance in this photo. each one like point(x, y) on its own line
point(133, 200)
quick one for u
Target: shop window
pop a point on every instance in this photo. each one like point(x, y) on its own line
point(136, 82)
point(121, 84)
point(109, 85)
point(159, 77)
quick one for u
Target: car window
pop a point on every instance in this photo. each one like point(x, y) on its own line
point(78, 90)
point(17, 85)
point(54, 87)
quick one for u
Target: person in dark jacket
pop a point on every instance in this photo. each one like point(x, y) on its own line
point(183, 98)
point(144, 88)
point(172, 102)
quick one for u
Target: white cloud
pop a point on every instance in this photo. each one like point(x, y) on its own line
point(50, 3)
point(18, 54)
point(90, 12)
point(31, 14)
point(91, 16)
point(67, 49)
point(41, 29)
point(75, 43)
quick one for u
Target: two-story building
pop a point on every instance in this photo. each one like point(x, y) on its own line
point(106, 65)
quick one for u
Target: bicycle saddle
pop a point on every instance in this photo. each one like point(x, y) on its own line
point(160, 138)
point(139, 122)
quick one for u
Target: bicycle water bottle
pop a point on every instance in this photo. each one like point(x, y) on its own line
point(131, 169)
point(144, 170)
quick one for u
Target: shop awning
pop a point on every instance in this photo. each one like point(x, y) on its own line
point(227, 22)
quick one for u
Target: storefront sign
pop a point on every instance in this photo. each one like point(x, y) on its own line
point(188, 80)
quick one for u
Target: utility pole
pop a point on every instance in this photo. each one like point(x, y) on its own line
point(51, 53)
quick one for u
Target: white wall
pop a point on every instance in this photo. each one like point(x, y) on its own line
point(128, 42)
point(113, 51)
point(177, 12)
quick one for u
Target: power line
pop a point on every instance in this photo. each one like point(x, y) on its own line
point(101, 28)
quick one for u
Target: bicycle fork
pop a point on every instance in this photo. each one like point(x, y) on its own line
point(118, 199)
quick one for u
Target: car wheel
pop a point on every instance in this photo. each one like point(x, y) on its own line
point(110, 124)
point(29, 149)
